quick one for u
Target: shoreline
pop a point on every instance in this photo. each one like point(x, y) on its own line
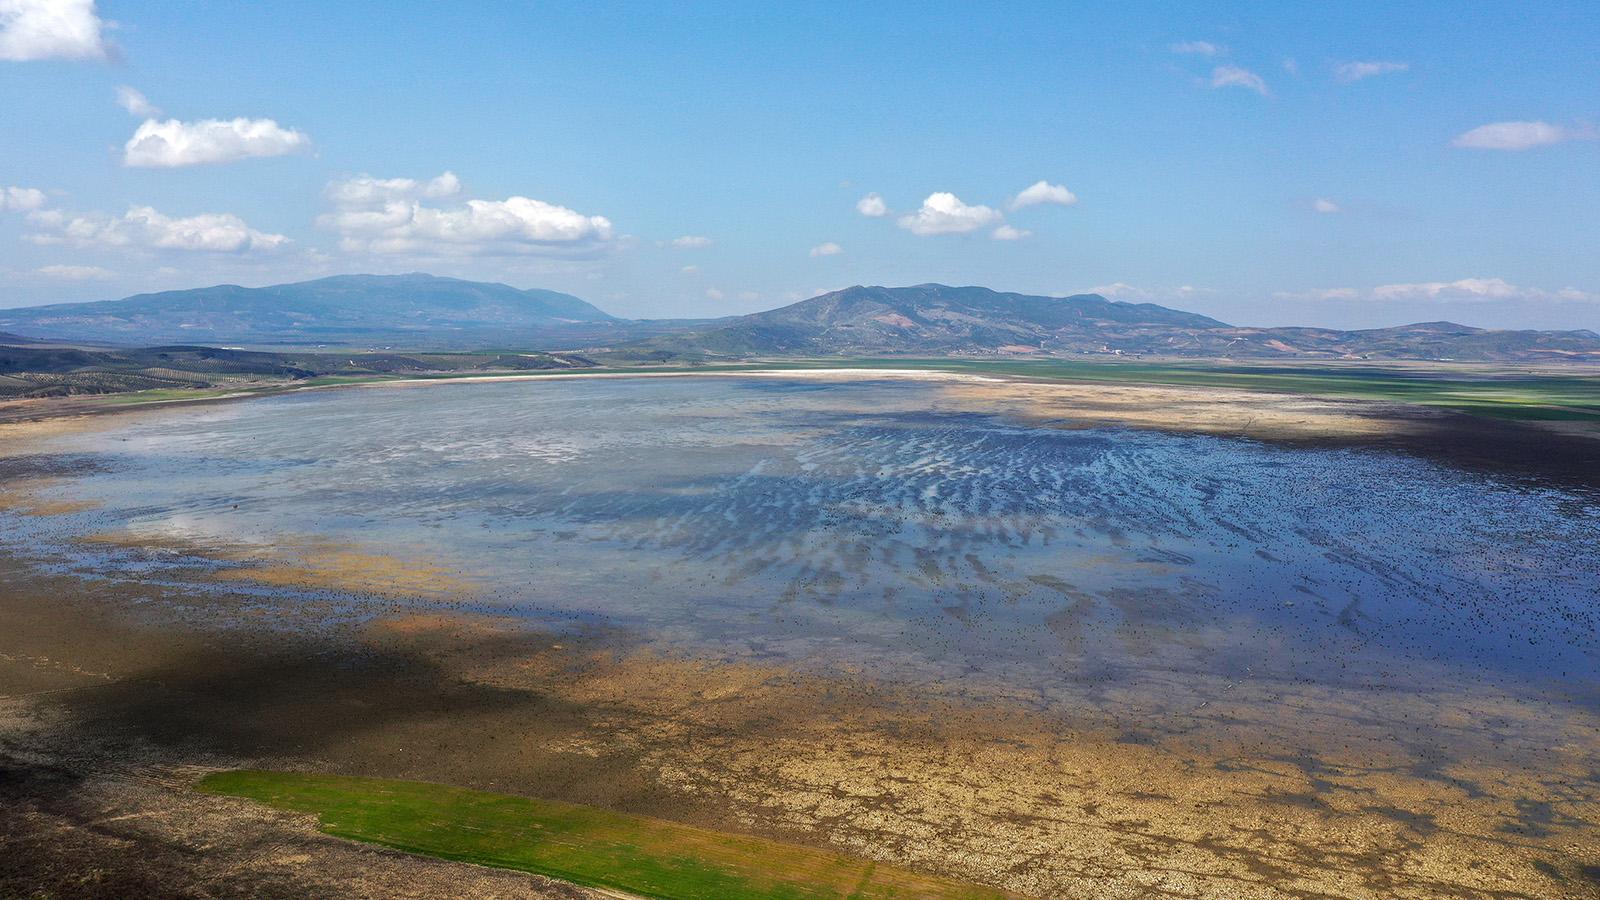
point(1566, 453)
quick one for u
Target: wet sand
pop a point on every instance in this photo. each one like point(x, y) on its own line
point(116, 694)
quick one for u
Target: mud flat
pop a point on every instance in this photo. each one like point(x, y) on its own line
point(1174, 765)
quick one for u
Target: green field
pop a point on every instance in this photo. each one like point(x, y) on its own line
point(584, 845)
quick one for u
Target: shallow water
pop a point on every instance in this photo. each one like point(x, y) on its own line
point(879, 526)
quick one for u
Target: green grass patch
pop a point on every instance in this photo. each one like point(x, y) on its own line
point(581, 844)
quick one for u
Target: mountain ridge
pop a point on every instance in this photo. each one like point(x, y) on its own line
point(938, 319)
point(420, 310)
point(338, 308)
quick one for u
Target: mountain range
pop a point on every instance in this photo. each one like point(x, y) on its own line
point(361, 310)
point(424, 311)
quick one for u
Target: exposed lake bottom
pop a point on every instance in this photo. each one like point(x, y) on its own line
point(1085, 643)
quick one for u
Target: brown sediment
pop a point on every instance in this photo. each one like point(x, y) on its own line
point(309, 563)
point(327, 565)
point(1566, 451)
point(1220, 411)
point(1199, 787)
point(22, 495)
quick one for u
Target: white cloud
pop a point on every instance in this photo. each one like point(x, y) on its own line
point(75, 273)
point(388, 216)
point(689, 270)
point(364, 189)
point(42, 29)
point(173, 143)
point(1043, 192)
point(1355, 71)
point(872, 206)
point(1198, 48)
point(1460, 290)
point(1325, 206)
point(1121, 290)
point(690, 242)
point(944, 213)
point(1233, 76)
point(1319, 294)
point(1007, 233)
point(142, 227)
point(827, 249)
point(21, 199)
point(1117, 290)
point(135, 102)
point(749, 296)
point(1519, 135)
point(714, 294)
point(1478, 288)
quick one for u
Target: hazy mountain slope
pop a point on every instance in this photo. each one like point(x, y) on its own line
point(424, 311)
point(932, 319)
point(346, 308)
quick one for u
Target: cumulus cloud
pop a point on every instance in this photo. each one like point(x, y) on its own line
point(690, 242)
point(1043, 192)
point(75, 273)
point(827, 249)
point(45, 29)
point(135, 102)
point(1197, 48)
point(1121, 290)
point(689, 270)
point(389, 216)
point(1480, 288)
point(363, 190)
point(1233, 76)
point(142, 227)
point(1325, 206)
point(1355, 71)
point(21, 199)
point(714, 294)
point(1519, 136)
point(170, 144)
point(1460, 290)
point(1007, 233)
point(944, 213)
point(872, 206)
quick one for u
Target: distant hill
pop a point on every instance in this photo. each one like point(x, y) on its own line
point(427, 312)
point(56, 371)
point(408, 310)
point(934, 319)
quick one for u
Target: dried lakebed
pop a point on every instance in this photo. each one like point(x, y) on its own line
point(877, 615)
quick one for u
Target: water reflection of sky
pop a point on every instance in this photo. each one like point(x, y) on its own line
point(871, 524)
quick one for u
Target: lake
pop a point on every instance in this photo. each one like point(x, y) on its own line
point(872, 526)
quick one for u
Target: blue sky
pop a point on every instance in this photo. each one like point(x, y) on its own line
point(1368, 164)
